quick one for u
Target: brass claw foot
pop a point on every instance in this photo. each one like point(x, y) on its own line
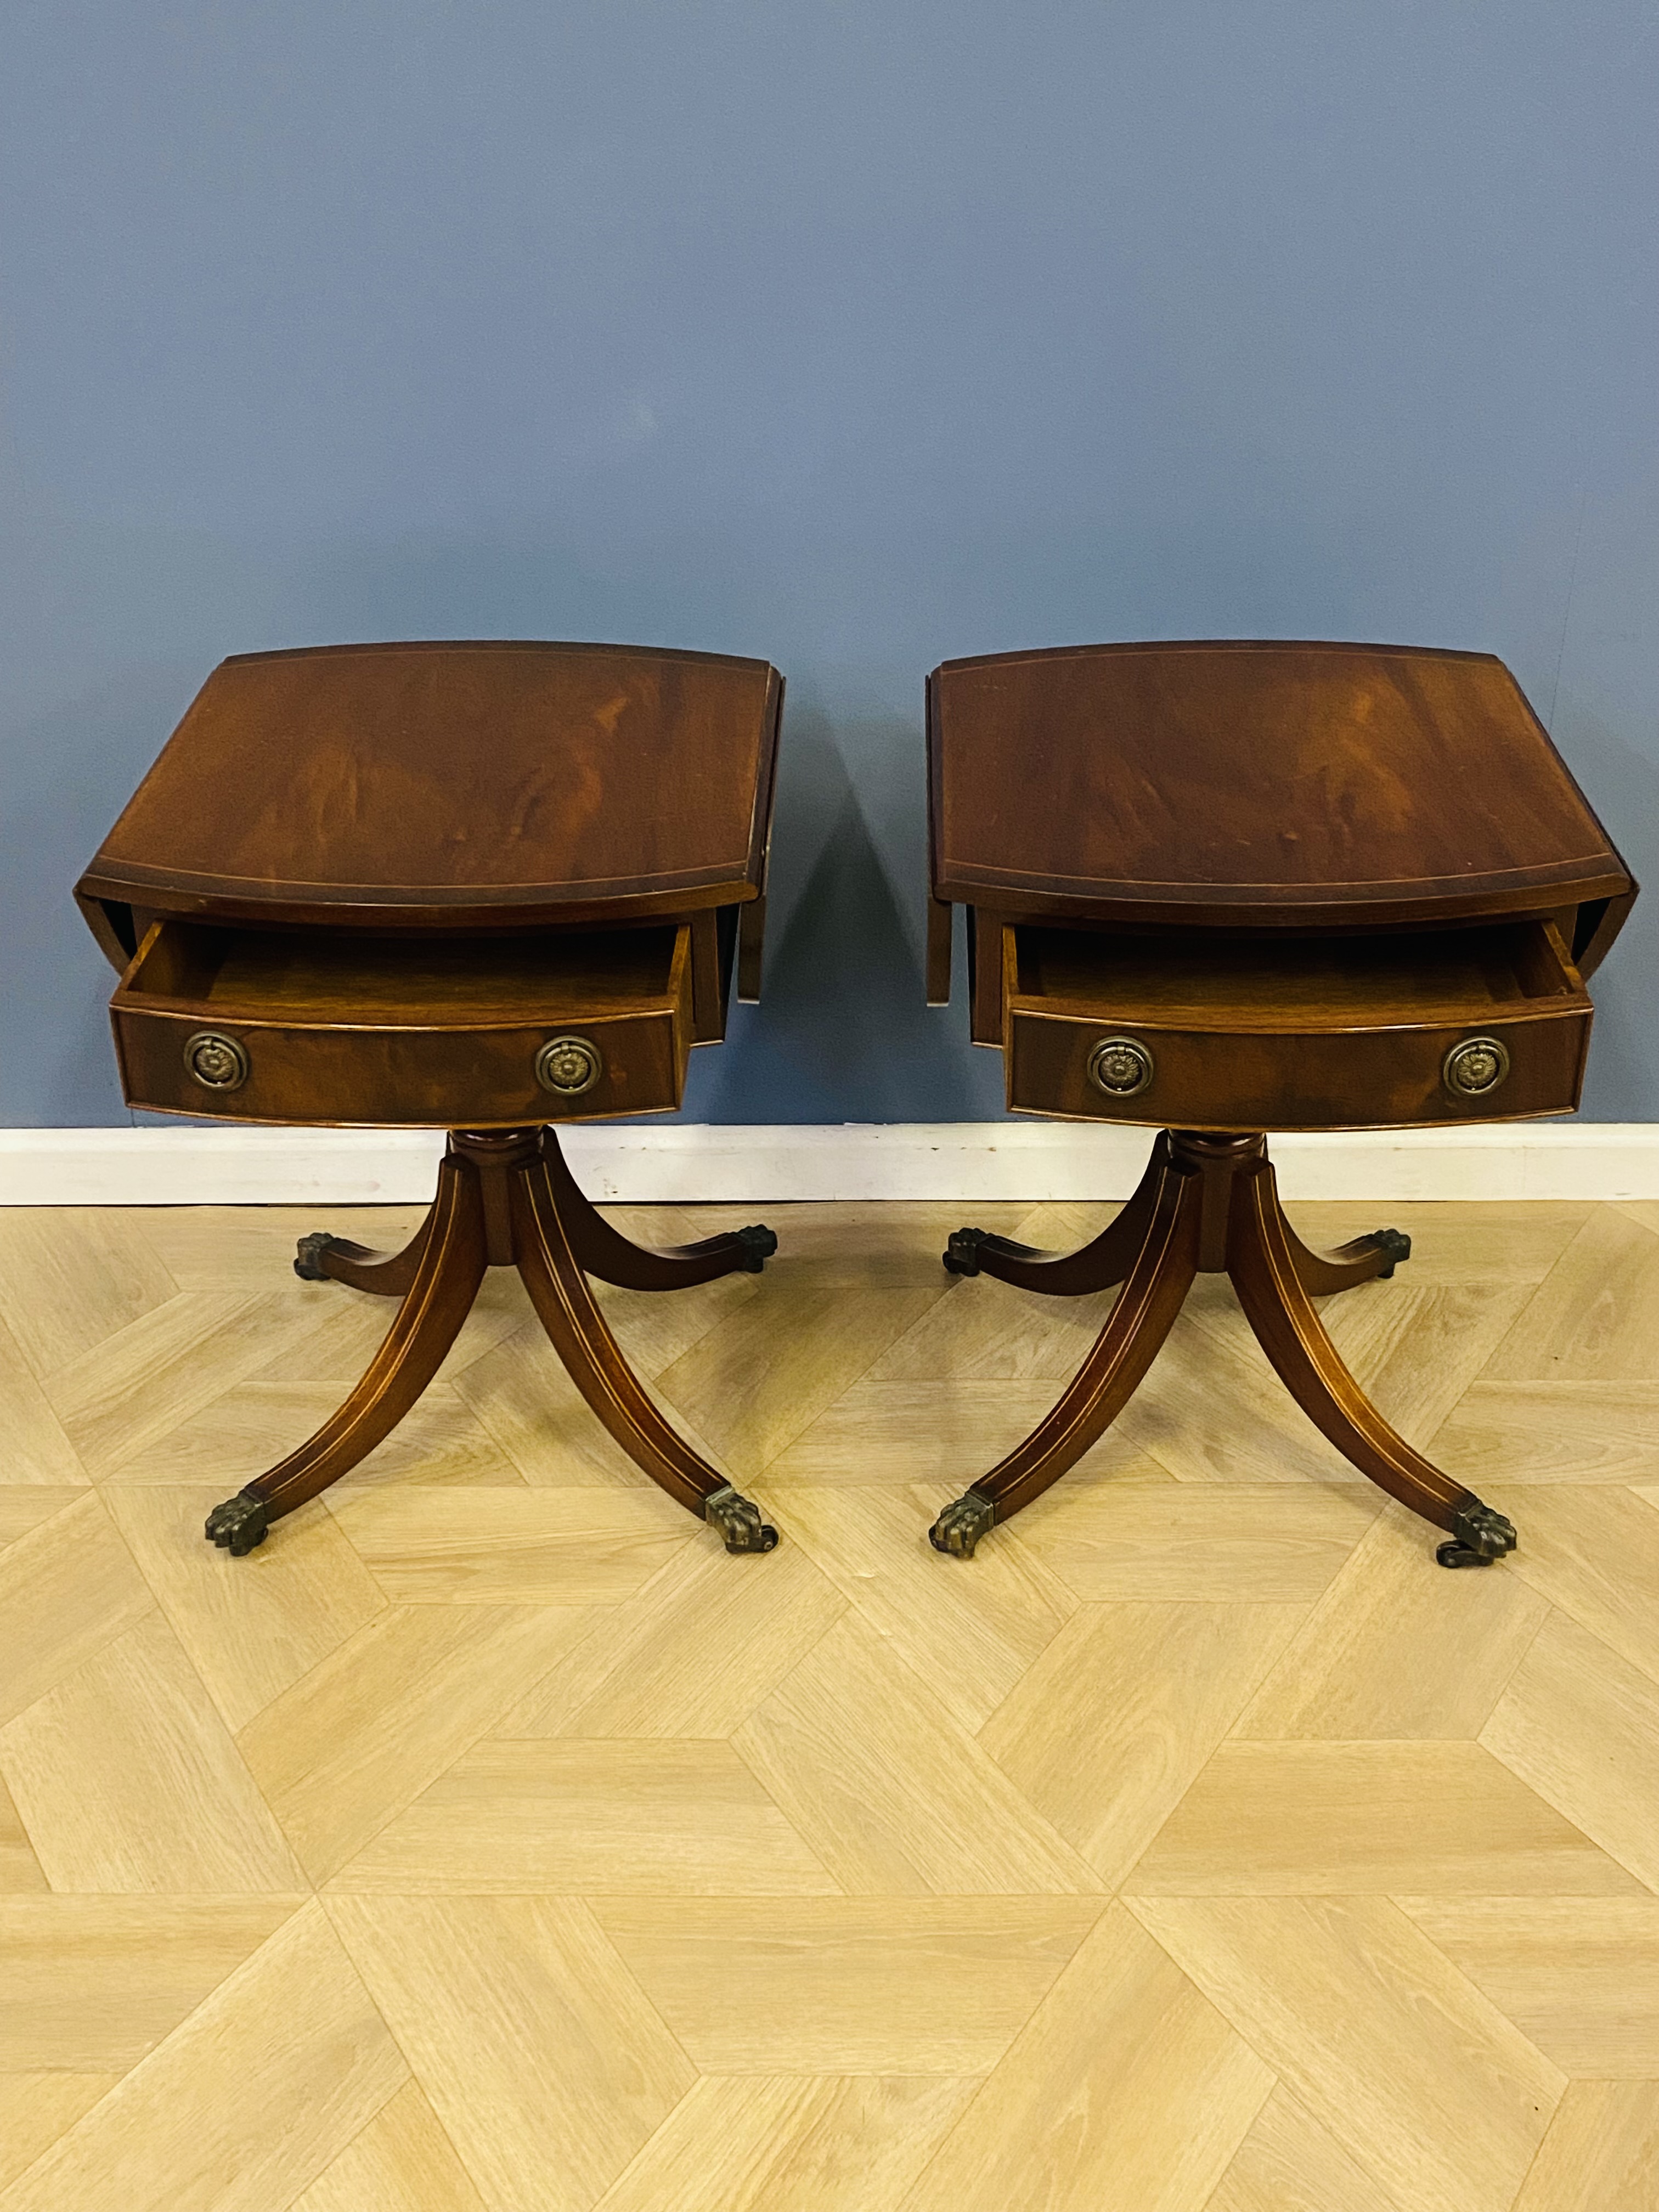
point(738, 1518)
point(961, 1250)
point(308, 1260)
point(238, 1524)
point(759, 1244)
point(961, 1525)
point(1395, 1244)
point(1480, 1536)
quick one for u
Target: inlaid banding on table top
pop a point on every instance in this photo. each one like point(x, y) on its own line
point(1281, 772)
point(472, 771)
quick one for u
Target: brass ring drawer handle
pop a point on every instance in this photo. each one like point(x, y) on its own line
point(568, 1066)
point(1120, 1067)
point(215, 1061)
point(1475, 1067)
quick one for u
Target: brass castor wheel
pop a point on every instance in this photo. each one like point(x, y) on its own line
point(238, 1524)
point(739, 1520)
point(1395, 1244)
point(758, 1245)
point(1480, 1536)
point(961, 1254)
point(308, 1259)
point(961, 1525)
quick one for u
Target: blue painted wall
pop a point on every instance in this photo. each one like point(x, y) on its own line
point(854, 335)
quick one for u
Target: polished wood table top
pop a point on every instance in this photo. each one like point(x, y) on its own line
point(456, 786)
point(1260, 784)
point(462, 790)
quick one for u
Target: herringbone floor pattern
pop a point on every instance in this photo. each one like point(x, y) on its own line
point(490, 1839)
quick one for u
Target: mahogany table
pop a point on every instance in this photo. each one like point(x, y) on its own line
point(1221, 889)
point(487, 888)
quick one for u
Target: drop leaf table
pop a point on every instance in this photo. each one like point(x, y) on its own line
point(1223, 889)
point(486, 888)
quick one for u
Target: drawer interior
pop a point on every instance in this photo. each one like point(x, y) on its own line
point(358, 979)
point(1223, 980)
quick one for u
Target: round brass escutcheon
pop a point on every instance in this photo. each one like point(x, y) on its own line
point(1476, 1066)
point(216, 1062)
point(568, 1066)
point(1120, 1067)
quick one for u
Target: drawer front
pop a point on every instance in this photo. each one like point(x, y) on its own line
point(421, 1079)
point(1331, 1079)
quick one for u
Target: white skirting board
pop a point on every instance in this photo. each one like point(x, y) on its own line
point(779, 1162)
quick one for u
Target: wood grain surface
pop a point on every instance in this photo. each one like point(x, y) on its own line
point(492, 1841)
point(1254, 782)
point(411, 783)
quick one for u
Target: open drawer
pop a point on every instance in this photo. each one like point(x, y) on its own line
point(458, 1032)
point(1217, 1030)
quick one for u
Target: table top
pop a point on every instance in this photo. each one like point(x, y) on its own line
point(1253, 784)
point(462, 785)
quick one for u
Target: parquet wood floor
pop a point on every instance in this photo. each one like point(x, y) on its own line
point(490, 1842)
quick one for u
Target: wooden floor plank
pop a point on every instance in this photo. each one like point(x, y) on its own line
point(1126, 2089)
point(1601, 2154)
point(1436, 2094)
point(760, 2142)
point(655, 1331)
point(25, 1505)
point(512, 1547)
point(759, 1380)
point(1416, 1349)
point(252, 1626)
point(93, 1984)
point(543, 2063)
point(520, 1395)
point(969, 1627)
point(1289, 2163)
point(858, 1985)
point(692, 1655)
point(67, 1588)
point(558, 1816)
point(20, 1869)
point(1557, 1433)
point(38, 1451)
point(1211, 1410)
point(345, 1329)
point(244, 2104)
point(1579, 1975)
point(1454, 1240)
point(361, 1736)
point(1131, 1539)
point(1578, 1724)
point(894, 1796)
point(864, 1244)
point(1594, 1318)
point(127, 1779)
point(938, 1431)
point(1397, 1647)
point(1317, 1819)
point(138, 1386)
point(1594, 1552)
point(237, 1436)
point(37, 2108)
point(243, 1248)
point(402, 2161)
point(1109, 1727)
point(984, 1331)
point(72, 1276)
